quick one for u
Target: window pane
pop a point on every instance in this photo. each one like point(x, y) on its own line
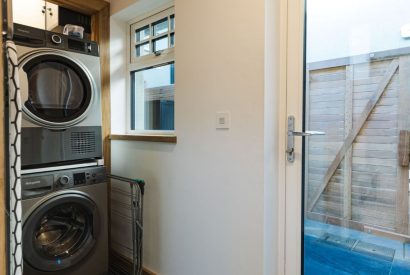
point(172, 40)
point(160, 27)
point(172, 22)
point(143, 49)
point(153, 98)
point(161, 44)
point(142, 34)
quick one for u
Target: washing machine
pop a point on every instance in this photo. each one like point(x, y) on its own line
point(60, 87)
point(65, 227)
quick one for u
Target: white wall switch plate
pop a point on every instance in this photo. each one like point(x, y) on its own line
point(222, 120)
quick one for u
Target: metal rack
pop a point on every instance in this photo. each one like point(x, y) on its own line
point(137, 188)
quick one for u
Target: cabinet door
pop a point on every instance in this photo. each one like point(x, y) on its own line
point(51, 16)
point(30, 13)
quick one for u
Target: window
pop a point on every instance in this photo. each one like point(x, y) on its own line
point(152, 73)
point(152, 98)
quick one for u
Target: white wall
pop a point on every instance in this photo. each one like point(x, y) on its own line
point(118, 69)
point(339, 28)
point(204, 203)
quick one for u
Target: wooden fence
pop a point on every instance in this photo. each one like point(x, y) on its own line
point(353, 174)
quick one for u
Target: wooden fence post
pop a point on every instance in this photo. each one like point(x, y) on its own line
point(402, 190)
point(347, 164)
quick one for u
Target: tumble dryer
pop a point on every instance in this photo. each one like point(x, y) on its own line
point(60, 94)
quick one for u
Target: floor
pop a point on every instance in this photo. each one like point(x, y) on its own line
point(335, 250)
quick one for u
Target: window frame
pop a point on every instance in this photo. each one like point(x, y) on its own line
point(167, 55)
point(148, 61)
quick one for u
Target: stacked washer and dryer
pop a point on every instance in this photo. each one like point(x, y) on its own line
point(64, 193)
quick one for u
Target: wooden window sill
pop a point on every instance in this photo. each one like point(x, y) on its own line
point(149, 138)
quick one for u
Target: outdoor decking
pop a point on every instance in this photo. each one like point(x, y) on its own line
point(350, 251)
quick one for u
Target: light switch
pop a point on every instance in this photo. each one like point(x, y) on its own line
point(223, 120)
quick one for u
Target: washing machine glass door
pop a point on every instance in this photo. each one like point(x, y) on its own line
point(57, 90)
point(60, 232)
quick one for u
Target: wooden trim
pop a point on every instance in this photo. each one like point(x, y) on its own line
point(100, 23)
point(122, 262)
point(89, 7)
point(364, 58)
point(150, 138)
point(391, 70)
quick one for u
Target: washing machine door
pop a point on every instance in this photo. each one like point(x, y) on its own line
point(57, 90)
point(60, 232)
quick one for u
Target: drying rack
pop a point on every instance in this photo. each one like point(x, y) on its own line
point(137, 188)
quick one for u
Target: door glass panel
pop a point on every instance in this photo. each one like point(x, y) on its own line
point(356, 177)
point(55, 90)
point(62, 231)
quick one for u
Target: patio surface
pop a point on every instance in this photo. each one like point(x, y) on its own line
point(335, 250)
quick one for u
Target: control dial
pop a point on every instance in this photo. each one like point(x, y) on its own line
point(64, 180)
point(56, 39)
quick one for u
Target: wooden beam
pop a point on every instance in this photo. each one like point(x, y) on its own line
point(88, 7)
point(352, 136)
point(347, 164)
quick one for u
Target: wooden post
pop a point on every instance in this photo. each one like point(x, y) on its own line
point(402, 190)
point(101, 34)
point(347, 164)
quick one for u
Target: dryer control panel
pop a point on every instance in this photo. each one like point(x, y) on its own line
point(39, 184)
point(37, 38)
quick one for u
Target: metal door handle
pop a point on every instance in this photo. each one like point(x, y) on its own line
point(290, 150)
point(306, 134)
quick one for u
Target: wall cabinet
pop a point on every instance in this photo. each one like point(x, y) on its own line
point(35, 13)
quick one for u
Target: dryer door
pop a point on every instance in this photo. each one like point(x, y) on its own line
point(57, 90)
point(60, 232)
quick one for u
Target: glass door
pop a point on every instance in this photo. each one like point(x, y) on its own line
point(355, 187)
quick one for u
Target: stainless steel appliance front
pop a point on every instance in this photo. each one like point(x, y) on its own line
point(65, 222)
point(60, 95)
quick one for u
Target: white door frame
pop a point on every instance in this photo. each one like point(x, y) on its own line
point(292, 47)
